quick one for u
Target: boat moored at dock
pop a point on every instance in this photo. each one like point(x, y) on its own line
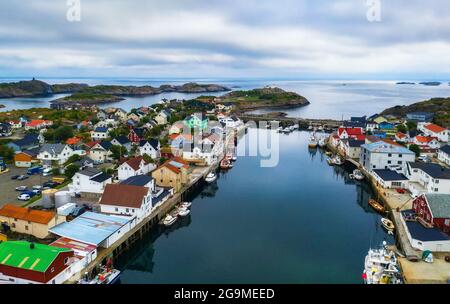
point(376, 205)
point(169, 220)
point(106, 277)
point(380, 267)
point(211, 177)
point(387, 224)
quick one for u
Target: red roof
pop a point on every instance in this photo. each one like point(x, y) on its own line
point(424, 139)
point(350, 131)
point(73, 140)
point(435, 128)
point(400, 135)
point(124, 195)
point(359, 137)
point(135, 162)
point(92, 143)
point(35, 216)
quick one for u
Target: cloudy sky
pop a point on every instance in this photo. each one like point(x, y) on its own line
point(226, 38)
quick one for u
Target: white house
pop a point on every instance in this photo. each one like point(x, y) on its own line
point(433, 130)
point(58, 153)
point(101, 152)
point(133, 167)
point(121, 115)
point(427, 178)
point(444, 154)
point(150, 147)
point(352, 147)
point(127, 200)
point(89, 182)
point(100, 133)
point(122, 141)
point(426, 142)
point(163, 117)
point(382, 155)
point(401, 137)
point(230, 121)
point(209, 149)
point(390, 179)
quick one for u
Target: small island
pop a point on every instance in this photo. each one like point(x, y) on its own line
point(268, 97)
point(406, 82)
point(430, 83)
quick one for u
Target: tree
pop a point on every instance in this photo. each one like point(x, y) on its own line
point(70, 171)
point(118, 152)
point(148, 159)
point(401, 128)
point(411, 125)
point(7, 153)
point(59, 134)
point(73, 159)
point(415, 148)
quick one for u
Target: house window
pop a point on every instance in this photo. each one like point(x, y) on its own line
point(399, 162)
point(13, 225)
point(66, 261)
point(389, 155)
point(400, 155)
point(389, 161)
point(117, 209)
point(52, 269)
point(436, 189)
point(26, 227)
point(127, 210)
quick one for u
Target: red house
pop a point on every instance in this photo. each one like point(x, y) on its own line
point(434, 209)
point(345, 133)
point(136, 135)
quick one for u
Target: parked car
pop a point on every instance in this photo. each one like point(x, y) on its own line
point(37, 192)
point(15, 176)
point(400, 190)
point(37, 187)
point(24, 197)
point(49, 185)
point(22, 177)
point(47, 171)
point(21, 188)
point(424, 158)
point(34, 170)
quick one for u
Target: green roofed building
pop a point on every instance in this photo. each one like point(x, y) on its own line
point(197, 121)
point(24, 262)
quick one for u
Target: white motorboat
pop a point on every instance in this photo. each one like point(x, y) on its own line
point(380, 267)
point(280, 129)
point(387, 224)
point(322, 142)
point(357, 174)
point(183, 212)
point(296, 127)
point(211, 177)
point(287, 130)
point(107, 276)
point(169, 220)
point(186, 204)
point(338, 161)
point(292, 128)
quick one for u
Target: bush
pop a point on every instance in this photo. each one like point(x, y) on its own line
point(415, 148)
point(70, 171)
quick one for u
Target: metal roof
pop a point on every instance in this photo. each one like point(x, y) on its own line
point(389, 175)
point(90, 228)
point(383, 147)
point(433, 170)
point(138, 180)
point(421, 233)
point(439, 204)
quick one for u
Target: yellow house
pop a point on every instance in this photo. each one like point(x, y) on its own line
point(28, 221)
point(173, 173)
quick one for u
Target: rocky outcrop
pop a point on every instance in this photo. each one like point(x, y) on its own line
point(25, 89)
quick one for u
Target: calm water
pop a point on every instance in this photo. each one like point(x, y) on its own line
point(329, 99)
point(299, 222)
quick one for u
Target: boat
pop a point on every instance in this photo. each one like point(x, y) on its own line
point(107, 276)
point(211, 177)
point(296, 127)
point(338, 161)
point(280, 129)
point(292, 128)
point(357, 174)
point(183, 211)
point(225, 164)
point(380, 267)
point(313, 141)
point(330, 161)
point(323, 142)
point(376, 205)
point(169, 220)
point(387, 224)
point(186, 204)
point(287, 130)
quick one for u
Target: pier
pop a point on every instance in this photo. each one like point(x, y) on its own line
point(303, 123)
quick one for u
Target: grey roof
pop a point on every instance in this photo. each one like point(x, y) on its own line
point(101, 129)
point(101, 178)
point(153, 142)
point(90, 172)
point(433, 170)
point(389, 175)
point(356, 143)
point(439, 204)
point(53, 148)
point(29, 139)
point(138, 180)
point(445, 149)
point(122, 139)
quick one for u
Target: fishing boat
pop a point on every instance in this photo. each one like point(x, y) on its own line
point(376, 205)
point(107, 276)
point(387, 224)
point(169, 220)
point(313, 141)
point(225, 164)
point(322, 142)
point(380, 267)
point(280, 129)
point(330, 161)
point(183, 211)
point(338, 161)
point(357, 174)
point(211, 177)
point(186, 204)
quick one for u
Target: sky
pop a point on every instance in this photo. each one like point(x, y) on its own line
point(319, 39)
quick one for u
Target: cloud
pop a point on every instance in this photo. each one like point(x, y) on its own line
point(225, 38)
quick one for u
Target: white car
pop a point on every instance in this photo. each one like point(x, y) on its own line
point(21, 188)
point(37, 187)
point(47, 172)
point(24, 197)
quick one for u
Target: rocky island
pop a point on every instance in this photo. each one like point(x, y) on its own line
point(268, 97)
point(431, 83)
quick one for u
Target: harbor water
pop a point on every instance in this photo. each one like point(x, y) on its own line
point(301, 221)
